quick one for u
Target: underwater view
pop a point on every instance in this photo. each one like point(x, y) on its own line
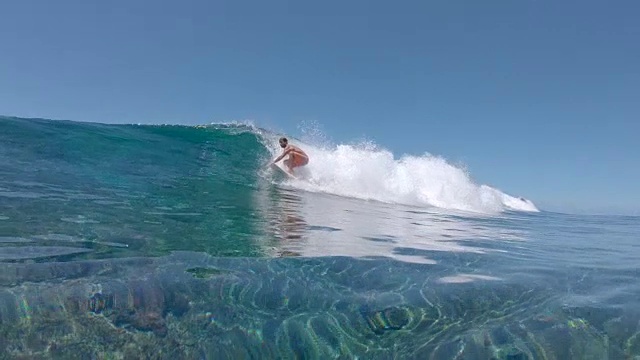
point(178, 242)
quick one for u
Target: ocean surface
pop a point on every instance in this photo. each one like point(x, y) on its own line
point(177, 242)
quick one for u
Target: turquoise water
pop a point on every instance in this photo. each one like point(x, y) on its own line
point(129, 241)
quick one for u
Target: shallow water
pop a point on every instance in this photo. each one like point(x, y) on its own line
point(117, 241)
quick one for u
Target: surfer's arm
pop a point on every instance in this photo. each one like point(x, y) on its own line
point(282, 155)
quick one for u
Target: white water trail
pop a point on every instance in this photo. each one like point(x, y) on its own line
point(368, 172)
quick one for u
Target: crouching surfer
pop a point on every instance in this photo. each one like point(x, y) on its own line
point(297, 157)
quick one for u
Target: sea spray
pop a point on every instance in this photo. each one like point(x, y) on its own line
point(364, 170)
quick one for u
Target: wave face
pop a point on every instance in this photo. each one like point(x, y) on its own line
point(100, 155)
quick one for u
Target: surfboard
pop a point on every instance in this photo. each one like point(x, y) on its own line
point(280, 168)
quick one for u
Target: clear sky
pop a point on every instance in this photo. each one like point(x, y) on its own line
point(540, 99)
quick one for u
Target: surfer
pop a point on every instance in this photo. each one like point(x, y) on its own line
point(297, 157)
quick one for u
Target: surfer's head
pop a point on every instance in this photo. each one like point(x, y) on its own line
point(283, 142)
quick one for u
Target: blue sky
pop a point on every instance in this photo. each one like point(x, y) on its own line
point(538, 98)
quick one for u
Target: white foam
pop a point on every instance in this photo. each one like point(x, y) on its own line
point(366, 171)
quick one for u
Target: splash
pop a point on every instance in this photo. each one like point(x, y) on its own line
point(366, 171)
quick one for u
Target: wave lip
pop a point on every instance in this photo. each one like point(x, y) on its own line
point(367, 172)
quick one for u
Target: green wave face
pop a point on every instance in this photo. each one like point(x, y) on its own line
point(153, 188)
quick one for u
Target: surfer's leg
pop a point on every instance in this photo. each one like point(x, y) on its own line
point(288, 164)
point(298, 160)
point(294, 161)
